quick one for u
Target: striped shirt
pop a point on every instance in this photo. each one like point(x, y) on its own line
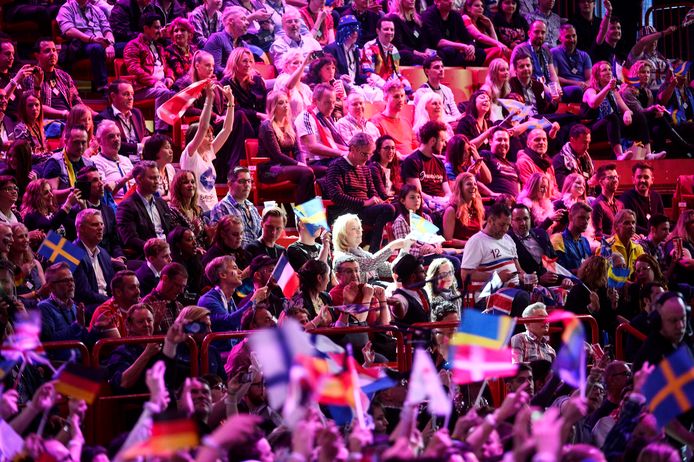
point(486, 254)
point(350, 186)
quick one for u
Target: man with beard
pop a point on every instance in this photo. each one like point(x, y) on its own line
point(115, 169)
point(534, 159)
point(606, 206)
point(539, 53)
point(574, 156)
point(95, 270)
point(291, 39)
point(220, 44)
point(571, 246)
point(573, 65)
point(425, 170)
point(505, 175)
point(625, 229)
point(126, 292)
point(641, 199)
point(236, 203)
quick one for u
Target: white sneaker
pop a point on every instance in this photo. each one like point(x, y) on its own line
point(656, 155)
point(625, 155)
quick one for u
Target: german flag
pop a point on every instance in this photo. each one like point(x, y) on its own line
point(79, 382)
point(171, 432)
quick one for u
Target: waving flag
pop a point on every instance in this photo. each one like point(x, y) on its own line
point(170, 433)
point(542, 123)
point(423, 230)
point(669, 390)
point(24, 344)
point(617, 277)
point(79, 382)
point(474, 363)
point(522, 110)
point(502, 301)
point(425, 384)
point(487, 330)
point(570, 363)
point(628, 79)
point(172, 110)
point(494, 284)
point(286, 277)
point(55, 249)
point(312, 215)
point(551, 265)
point(682, 68)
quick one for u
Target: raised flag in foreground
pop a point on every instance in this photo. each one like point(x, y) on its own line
point(56, 249)
point(423, 230)
point(425, 385)
point(286, 277)
point(669, 390)
point(487, 330)
point(79, 382)
point(24, 343)
point(473, 363)
point(312, 214)
point(169, 435)
point(173, 109)
point(570, 363)
point(617, 277)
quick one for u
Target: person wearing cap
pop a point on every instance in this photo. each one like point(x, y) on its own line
point(367, 18)
point(345, 50)
point(410, 303)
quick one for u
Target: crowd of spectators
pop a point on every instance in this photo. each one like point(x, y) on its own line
point(516, 194)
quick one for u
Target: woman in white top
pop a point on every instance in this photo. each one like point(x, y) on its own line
point(289, 81)
point(202, 146)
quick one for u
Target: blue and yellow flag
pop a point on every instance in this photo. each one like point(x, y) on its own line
point(570, 363)
point(487, 330)
point(682, 69)
point(56, 249)
point(423, 230)
point(669, 390)
point(542, 123)
point(312, 215)
point(511, 105)
point(617, 277)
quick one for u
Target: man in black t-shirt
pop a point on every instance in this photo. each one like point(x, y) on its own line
point(426, 171)
point(505, 176)
point(445, 31)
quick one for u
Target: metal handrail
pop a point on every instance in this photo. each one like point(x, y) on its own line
point(625, 328)
point(69, 345)
point(104, 342)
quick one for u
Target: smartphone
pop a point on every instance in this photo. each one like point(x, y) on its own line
point(193, 328)
point(246, 377)
point(317, 54)
point(84, 187)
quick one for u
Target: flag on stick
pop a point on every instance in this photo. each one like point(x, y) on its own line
point(474, 363)
point(169, 435)
point(312, 214)
point(487, 330)
point(286, 277)
point(425, 384)
point(669, 390)
point(570, 363)
point(79, 382)
point(56, 249)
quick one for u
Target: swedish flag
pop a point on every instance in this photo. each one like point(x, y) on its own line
point(56, 249)
point(617, 277)
point(542, 123)
point(669, 390)
point(312, 215)
point(487, 330)
point(683, 68)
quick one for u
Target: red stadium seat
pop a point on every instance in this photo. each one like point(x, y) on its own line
point(282, 192)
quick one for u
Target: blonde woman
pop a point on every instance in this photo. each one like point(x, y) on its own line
point(430, 107)
point(496, 85)
point(464, 215)
point(347, 237)
point(247, 86)
point(277, 140)
point(536, 196)
point(408, 31)
point(289, 80)
point(202, 147)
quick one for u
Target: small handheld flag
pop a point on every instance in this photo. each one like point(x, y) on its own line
point(286, 277)
point(169, 435)
point(24, 344)
point(423, 230)
point(494, 284)
point(473, 363)
point(510, 105)
point(487, 330)
point(173, 109)
point(502, 301)
point(570, 363)
point(617, 277)
point(669, 389)
point(682, 68)
point(425, 384)
point(56, 249)
point(542, 123)
point(312, 214)
point(79, 382)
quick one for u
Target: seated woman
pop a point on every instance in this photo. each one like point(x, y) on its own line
point(482, 30)
point(323, 70)
point(179, 54)
point(574, 190)
point(30, 124)
point(604, 106)
point(29, 278)
point(461, 156)
point(347, 237)
point(319, 20)
point(278, 141)
point(646, 271)
point(464, 215)
point(314, 277)
point(511, 27)
point(289, 80)
point(442, 289)
point(476, 124)
point(430, 107)
point(19, 165)
point(185, 250)
point(408, 32)
point(158, 148)
point(39, 209)
point(385, 168)
point(247, 85)
point(202, 147)
point(82, 115)
point(184, 205)
point(227, 240)
point(496, 84)
point(536, 196)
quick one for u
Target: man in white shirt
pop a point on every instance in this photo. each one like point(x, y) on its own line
point(434, 70)
point(355, 121)
point(292, 38)
point(94, 273)
point(115, 170)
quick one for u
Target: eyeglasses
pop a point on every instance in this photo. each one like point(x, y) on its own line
point(10, 188)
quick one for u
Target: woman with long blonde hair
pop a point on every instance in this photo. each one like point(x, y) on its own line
point(464, 215)
point(246, 84)
point(496, 85)
point(278, 141)
point(536, 196)
point(184, 203)
point(408, 31)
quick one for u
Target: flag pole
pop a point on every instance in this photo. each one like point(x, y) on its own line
point(479, 394)
point(19, 374)
point(358, 408)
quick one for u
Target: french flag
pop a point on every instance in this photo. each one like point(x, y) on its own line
point(286, 277)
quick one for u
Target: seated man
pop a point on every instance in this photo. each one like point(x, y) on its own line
point(410, 305)
point(157, 256)
point(390, 121)
point(523, 378)
point(220, 44)
point(504, 173)
point(654, 243)
point(543, 12)
point(129, 120)
point(319, 140)
point(528, 88)
point(225, 275)
point(143, 57)
point(143, 215)
point(346, 51)
point(115, 169)
point(236, 203)
point(60, 317)
point(571, 246)
point(534, 158)
point(425, 170)
point(348, 274)
point(95, 270)
point(606, 205)
point(89, 36)
point(380, 57)
point(573, 66)
point(272, 225)
point(574, 156)
point(642, 199)
point(206, 19)
point(60, 169)
point(444, 30)
point(542, 63)
point(126, 292)
point(352, 188)
point(534, 342)
point(164, 298)
point(126, 19)
point(621, 242)
point(292, 38)
point(355, 121)
point(434, 70)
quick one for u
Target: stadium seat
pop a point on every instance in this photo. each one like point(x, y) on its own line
point(282, 192)
point(684, 194)
point(145, 105)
